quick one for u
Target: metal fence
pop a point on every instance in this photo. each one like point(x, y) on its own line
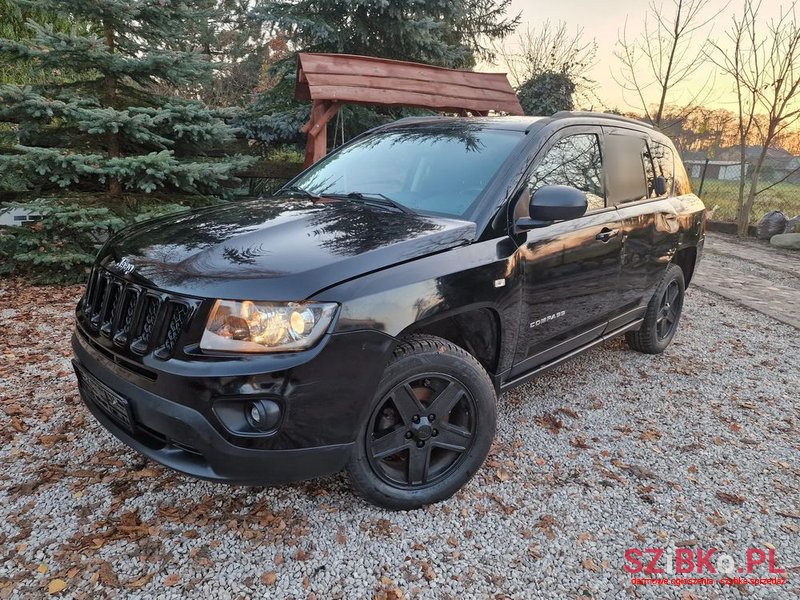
point(717, 183)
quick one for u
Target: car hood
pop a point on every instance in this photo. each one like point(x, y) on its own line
point(274, 248)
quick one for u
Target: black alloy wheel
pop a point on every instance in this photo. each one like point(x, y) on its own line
point(662, 315)
point(420, 430)
point(669, 310)
point(428, 429)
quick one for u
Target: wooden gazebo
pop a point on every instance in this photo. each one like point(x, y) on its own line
point(329, 80)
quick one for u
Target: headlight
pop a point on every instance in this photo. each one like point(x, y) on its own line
point(266, 326)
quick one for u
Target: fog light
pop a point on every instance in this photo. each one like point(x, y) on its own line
point(262, 414)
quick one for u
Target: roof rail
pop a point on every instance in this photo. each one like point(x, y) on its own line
point(563, 114)
point(416, 119)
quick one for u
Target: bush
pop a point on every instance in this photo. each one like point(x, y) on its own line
point(61, 247)
point(547, 93)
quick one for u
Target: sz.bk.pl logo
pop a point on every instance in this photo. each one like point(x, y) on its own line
point(659, 561)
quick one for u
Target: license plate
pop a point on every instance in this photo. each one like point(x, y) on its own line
point(109, 401)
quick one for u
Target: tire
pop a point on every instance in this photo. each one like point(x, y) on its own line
point(407, 455)
point(662, 315)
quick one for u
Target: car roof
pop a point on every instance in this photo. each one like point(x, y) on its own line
point(507, 123)
point(527, 124)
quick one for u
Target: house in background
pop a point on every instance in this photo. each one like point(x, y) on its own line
point(725, 164)
point(17, 216)
point(724, 170)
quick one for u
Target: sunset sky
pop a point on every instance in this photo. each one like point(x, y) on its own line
point(604, 19)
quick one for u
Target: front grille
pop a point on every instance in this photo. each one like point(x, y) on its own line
point(134, 317)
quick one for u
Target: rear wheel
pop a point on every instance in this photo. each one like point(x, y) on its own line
point(662, 315)
point(430, 427)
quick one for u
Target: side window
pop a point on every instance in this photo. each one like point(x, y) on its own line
point(625, 166)
point(660, 169)
point(682, 184)
point(574, 161)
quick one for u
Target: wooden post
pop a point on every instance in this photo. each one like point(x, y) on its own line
point(322, 111)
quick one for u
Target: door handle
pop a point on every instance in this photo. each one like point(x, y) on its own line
point(606, 234)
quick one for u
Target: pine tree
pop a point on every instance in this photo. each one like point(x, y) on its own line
point(118, 122)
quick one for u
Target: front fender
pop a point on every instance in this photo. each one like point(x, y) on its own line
point(408, 296)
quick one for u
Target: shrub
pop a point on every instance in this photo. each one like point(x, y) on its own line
point(61, 247)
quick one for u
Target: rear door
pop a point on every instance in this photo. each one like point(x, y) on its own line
point(640, 181)
point(569, 269)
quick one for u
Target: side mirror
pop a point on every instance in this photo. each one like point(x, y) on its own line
point(660, 185)
point(554, 203)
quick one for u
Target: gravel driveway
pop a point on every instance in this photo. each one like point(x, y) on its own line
point(698, 447)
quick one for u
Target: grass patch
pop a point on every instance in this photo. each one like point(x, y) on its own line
point(784, 197)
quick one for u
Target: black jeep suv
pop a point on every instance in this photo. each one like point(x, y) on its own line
point(368, 315)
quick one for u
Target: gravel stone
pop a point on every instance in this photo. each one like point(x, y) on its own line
point(645, 447)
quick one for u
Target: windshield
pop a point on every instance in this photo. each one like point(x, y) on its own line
point(441, 171)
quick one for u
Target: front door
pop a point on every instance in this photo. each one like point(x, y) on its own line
point(571, 268)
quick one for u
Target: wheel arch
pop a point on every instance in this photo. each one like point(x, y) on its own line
point(475, 328)
point(686, 259)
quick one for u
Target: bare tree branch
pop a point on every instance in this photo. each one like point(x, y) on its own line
point(663, 56)
point(551, 48)
point(764, 65)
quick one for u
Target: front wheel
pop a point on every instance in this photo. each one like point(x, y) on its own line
point(662, 315)
point(430, 427)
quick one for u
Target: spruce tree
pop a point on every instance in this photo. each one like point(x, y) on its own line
point(120, 121)
point(449, 33)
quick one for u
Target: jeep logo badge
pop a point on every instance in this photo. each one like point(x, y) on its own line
point(125, 266)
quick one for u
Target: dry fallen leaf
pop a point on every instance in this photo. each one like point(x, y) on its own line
point(140, 582)
point(269, 578)
point(56, 586)
point(639, 471)
point(649, 435)
point(579, 442)
point(143, 474)
point(550, 422)
point(731, 498)
point(42, 568)
point(107, 575)
point(172, 580)
point(301, 555)
point(588, 563)
point(569, 412)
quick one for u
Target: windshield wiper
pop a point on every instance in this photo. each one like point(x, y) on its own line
point(294, 189)
point(378, 199)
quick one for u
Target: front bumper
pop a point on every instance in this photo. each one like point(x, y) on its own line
point(173, 421)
